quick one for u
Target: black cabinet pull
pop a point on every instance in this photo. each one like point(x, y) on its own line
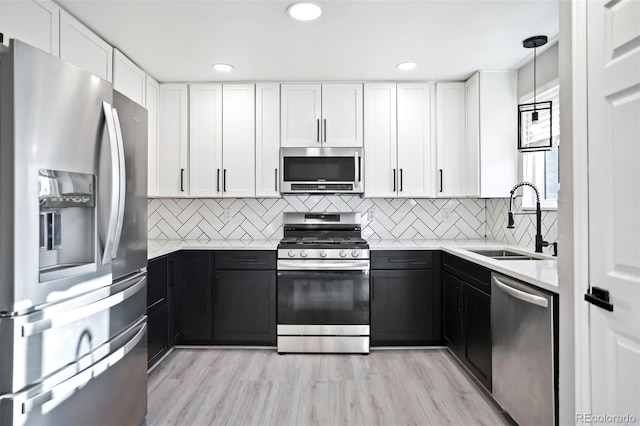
point(325, 129)
point(318, 130)
point(441, 180)
point(276, 181)
point(224, 180)
point(394, 180)
point(170, 267)
point(401, 260)
point(599, 297)
point(182, 180)
point(217, 180)
point(373, 288)
point(401, 180)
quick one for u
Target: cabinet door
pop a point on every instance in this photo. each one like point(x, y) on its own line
point(205, 140)
point(245, 307)
point(450, 140)
point(380, 159)
point(267, 140)
point(173, 299)
point(157, 281)
point(172, 141)
point(300, 115)
point(238, 137)
point(82, 47)
point(156, 333)
point(472, 94)
point(342, 115)
point(477, 333)
point(152, 102)
point(405, 308)
point(452, 312)
point(35, 22)
point(196, 283)
point(128, 78)
point(416, 156)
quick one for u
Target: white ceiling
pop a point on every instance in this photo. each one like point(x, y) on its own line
point(352, 40)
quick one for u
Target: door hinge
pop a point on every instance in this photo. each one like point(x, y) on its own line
point(599, 297)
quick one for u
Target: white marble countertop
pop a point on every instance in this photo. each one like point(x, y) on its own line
point(541, 273)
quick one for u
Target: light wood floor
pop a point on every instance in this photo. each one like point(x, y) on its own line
point(259, 387)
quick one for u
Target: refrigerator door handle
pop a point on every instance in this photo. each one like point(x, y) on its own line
point(60, 319)
point(123, 183)
point(115, 185)
point(64, 390)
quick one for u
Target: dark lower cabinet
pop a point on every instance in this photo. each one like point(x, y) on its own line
point(157, 344)
point(195, 306)
point(405, 298)
point(173, 299)
point(245, 307)
point(467, 314)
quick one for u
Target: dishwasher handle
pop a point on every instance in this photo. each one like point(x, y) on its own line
point(522, 295)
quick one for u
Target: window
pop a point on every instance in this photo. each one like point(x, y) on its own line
point(542, 167)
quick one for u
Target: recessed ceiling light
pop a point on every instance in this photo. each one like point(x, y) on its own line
point(304, 11)
point(406, 66)
point(223, 67)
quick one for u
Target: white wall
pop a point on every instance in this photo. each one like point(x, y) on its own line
point(547, 70)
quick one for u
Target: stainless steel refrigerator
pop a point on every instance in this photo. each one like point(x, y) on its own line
point(72, 246)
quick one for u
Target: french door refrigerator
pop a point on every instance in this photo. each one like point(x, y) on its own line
point(72, 246)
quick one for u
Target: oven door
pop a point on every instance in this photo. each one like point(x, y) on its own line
point(330, 299)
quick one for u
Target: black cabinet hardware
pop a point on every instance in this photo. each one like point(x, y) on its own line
point(276, 180)
point(599, 297)
point(224, 180)
point(217, 180)
point(440, 180)
point(401, 180)
point(325, 129)
point(394, 180)
point(318, 130)
point(182, 180)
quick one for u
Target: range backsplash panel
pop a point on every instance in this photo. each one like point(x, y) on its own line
point(525, 231)
point(248, 218)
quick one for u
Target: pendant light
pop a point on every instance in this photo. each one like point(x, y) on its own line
point(534, 119)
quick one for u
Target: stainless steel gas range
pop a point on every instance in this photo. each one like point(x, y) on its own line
point(323, 284)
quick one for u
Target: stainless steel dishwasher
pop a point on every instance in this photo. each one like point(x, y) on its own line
point(522, 351)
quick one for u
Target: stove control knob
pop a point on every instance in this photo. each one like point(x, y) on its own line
point(323, 253)
point(343, 253)
point(303, 253)
point(291, 253)
point(355, 253)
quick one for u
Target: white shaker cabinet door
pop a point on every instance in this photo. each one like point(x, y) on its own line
point(128, 78)
point(238, 136)
point(173, 141)
point(380, 147)
point(416, 154)
point(267, 140)
point(472, 126)
point(450, 140)
point(35, 22)
point(341, 115)
point(205, 140)
point(82, 47)
point(301, 115)
point(152, 102)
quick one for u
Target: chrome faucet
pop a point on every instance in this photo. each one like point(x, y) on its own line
point(511, 224)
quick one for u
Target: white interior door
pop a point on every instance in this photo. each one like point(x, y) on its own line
point(614, 205)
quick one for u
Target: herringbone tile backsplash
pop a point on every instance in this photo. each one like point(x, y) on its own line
point(525, 230)
point(261, 218)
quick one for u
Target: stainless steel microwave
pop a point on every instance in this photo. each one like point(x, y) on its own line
point(321, 170)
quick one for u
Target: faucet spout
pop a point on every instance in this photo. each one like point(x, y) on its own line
point(539, 242)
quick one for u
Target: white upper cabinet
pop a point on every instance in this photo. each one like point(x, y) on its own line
point(416, 153)
point(238, 137)
point(82, 47)
point(342, 115)
point(267, 139)
point(173, 141)
point(128, 78)
point(35, 22)
point(492, 133)
point(152, 102)
point(314, 115)
point(451, 178)
point(380, 143)
point(205, 140)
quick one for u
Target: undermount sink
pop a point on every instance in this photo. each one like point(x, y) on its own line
point(505, 255)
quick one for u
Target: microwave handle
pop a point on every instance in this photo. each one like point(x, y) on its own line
point(358, 165)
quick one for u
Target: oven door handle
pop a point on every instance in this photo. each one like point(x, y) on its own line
point(323, 265)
